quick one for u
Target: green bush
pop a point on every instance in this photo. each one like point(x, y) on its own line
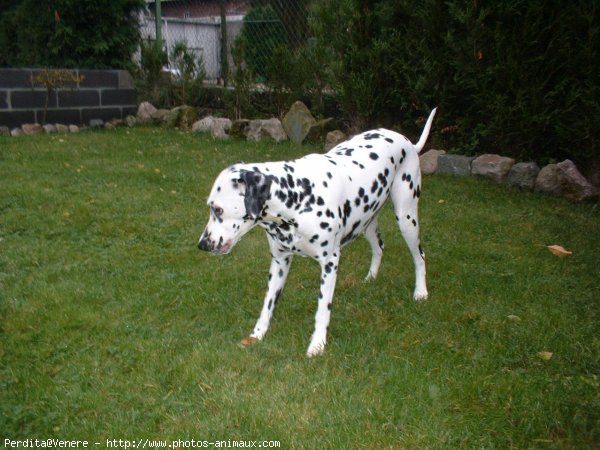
point(152, 84)
point(190, 74)
point(69, 33)
point(518, 77)
point(262, 32)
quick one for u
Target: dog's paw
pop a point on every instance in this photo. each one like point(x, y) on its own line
point(420, 296)
point(315, 349)
point(248, 341)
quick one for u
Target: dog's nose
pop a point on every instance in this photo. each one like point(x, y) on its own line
point(203, 244)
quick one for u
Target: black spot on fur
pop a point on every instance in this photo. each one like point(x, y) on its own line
point(374, 186)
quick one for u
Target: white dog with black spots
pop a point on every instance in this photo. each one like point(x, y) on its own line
point(314, 206)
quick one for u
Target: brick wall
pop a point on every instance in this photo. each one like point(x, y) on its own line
point(100, 94)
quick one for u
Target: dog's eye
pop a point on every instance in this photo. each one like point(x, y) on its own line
point(218, 211)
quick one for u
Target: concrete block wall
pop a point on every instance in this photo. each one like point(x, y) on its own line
point(100, 94)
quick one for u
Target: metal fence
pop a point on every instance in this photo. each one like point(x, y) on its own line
point(206, 25)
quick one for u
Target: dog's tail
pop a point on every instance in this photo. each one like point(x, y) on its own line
point(419, 145)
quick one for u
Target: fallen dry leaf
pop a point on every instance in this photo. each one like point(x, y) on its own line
point(545, 356)
point(248, 341)
point(559, 251)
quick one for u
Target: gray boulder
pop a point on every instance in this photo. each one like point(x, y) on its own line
point(457, 165)
point(218, 127)
point(274, 129)
point(203, 125)
point(333, 138)
point(145, 111)
point(50, 128)
point(573, 184)
point(258, 129)
point(547, 180)
point(60, 128)
point(254, 132)
point(493, 167)
point(523, 175)
point(429, 161)
point(297, 122)
point(32, 128)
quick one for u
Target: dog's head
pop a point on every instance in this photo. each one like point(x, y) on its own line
point(236, 202)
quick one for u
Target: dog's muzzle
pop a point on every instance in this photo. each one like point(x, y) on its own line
point(208, 245)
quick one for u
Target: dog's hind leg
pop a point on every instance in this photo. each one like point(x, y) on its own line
point(280, 267)
point(374, 238)
point(405, 196)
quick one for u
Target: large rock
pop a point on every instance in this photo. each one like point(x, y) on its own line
point(274, 129)
point(457, 165)
point(429, 161)
point(4, 131)
point(254, 132)
point(32, 128)
point(523, 175)
point(493, 167)
point(318, 130)
point(573, 185)
point(218, 127)
point(50, 128)
point(96, 123)
point(145, 111)
point(60, 128)
point(271, 129)
point(203, 125)
point(333, 138)
point(547, 180)
point(297, 122)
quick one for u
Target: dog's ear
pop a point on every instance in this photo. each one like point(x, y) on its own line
point(258, 191)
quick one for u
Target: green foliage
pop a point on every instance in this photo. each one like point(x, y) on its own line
point(166, 89)
point(262, 33)
point(69, 33)
point(242, 77)
point(153, 85)
point(190, 74)
point(518, 77)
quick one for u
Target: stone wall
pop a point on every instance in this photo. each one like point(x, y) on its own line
point(99, 94)
point(562, 179)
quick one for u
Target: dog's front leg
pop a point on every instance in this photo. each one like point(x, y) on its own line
point(280, 267)
point(329, 269)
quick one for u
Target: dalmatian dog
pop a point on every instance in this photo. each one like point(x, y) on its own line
point(314, 206)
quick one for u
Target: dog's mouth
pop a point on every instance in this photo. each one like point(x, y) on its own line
point(222, 249)
point(215, 248)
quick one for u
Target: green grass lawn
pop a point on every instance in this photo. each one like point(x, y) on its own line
point(114, 326)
